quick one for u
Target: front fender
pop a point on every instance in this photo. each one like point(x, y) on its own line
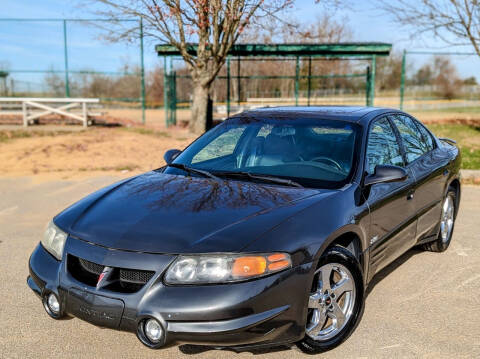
point(358, 230)
point(309, 232)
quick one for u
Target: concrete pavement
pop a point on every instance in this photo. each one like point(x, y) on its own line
point(423, 305)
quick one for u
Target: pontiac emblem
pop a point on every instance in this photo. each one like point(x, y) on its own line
point(103, 278)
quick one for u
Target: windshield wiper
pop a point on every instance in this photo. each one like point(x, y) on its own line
point(192, 170)
point(264, 178)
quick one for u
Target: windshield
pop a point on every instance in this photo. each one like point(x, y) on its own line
point(312, 152)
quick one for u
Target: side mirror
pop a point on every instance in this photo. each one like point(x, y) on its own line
point(385, 174)
point(170, 155)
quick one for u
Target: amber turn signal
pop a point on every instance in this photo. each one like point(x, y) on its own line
point(276, 266)
point(254, 266)
point(277, 257)
point(249, 266)
point(278, 261)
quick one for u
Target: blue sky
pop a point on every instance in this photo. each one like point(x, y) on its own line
point(39, 45)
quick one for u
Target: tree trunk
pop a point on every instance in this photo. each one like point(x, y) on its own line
point(198, 121)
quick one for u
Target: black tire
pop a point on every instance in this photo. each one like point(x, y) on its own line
point(340, 255)
point(441, 244)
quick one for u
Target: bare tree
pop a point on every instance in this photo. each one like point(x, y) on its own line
point(441, 73)
point(55, 84)
point(446, 77)
point(214, 24)
point(389, 71)
point(457, 22)
point(325, 28)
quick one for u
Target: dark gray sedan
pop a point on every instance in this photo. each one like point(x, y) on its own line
point(266, 230)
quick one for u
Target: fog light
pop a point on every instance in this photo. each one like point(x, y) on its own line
point(53, 303)
point(153, 330)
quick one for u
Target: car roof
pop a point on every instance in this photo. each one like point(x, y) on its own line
point(344, 113)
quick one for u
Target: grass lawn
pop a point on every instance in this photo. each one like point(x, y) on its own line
point(468, 139)
point(460, 109)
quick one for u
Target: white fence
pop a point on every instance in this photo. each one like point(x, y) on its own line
point(34, 108)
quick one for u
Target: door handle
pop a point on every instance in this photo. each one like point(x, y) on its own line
point(410, 196)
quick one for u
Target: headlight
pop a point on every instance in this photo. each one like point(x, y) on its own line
point(54, 240)
point(203, 269)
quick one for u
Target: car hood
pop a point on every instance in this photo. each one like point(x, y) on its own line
point(162, 213)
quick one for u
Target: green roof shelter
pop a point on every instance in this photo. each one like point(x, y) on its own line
point(352, 50)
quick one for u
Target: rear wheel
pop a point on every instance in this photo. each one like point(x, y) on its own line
point(447, 223)
point(335, 304)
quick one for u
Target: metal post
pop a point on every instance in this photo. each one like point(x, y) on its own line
point(309, 83)
point(65, 51)
point(372, 81)
point(228, 87)
point(367, 87)
point(25, 114)
point(238, 82)
point(297, 71)
point(84, 114)
point(173, 94)
point(165, 89)
point(142, 72)
point(402, 79)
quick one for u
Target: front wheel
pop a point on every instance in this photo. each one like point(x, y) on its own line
point(336, 301)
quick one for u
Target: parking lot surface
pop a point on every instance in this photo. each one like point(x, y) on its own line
point(423, 305)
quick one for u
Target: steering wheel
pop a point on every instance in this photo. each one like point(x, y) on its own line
point(328, 160)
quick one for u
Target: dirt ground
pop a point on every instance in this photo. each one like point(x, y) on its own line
point(430, 117)
point(70, 151)
point(77, 152)
point(423, 305)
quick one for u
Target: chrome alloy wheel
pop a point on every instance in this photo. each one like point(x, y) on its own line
point(330, 307)
point(446, 223)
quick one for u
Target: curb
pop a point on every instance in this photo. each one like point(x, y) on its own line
point(470, 176)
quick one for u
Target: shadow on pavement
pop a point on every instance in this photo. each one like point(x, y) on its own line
point(192, 349)
point(391, 267)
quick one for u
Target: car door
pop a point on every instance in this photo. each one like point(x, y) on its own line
point(429, 171)
point(393, 221)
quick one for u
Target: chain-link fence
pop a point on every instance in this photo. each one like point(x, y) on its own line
point(76, 58)
point(72, 58)
point(245, 83)
point(443, 81)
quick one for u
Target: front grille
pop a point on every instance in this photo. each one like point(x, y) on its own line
point(121, 280)
point(90, 266)
point(135, 276)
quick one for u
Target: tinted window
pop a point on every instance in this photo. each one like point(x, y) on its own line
point(310, 151)
point(427, 137)
point(412, 139)
point(382, 148)
point(223, 145)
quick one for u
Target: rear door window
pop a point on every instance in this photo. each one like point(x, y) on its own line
point(427, 137)
point(412, 139)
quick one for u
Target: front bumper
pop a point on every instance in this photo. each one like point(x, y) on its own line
point(266, 311)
